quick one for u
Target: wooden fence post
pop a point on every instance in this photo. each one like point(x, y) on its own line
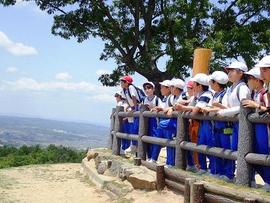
point(245, 135)
point(180, 155)
point(137, 161)
point(197, 193)
point(160, 177)
point(143, 128)
point(249, 200)
point(110, 144)
point(117, 128)
point(187, 193)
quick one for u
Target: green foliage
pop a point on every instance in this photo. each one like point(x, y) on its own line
point(138, 33)
point(12, 157)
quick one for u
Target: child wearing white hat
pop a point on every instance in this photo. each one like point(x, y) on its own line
point(151, 101)
point(221, 137)
point(202, 99)
point(234, 94)
point(259, 102)
point(165, 103)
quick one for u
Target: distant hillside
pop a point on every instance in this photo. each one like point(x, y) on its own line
point(20, 131)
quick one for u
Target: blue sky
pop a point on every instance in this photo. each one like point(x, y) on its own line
point(45, 76)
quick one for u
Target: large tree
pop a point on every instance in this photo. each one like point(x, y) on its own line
point(138, 33)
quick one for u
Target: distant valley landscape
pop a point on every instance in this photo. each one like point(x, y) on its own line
point(18, 131)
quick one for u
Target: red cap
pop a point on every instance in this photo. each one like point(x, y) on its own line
point(190, 84)
point(127, 78)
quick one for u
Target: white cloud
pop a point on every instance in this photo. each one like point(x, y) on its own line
point(12, 69)
point(16, 48)
point(101, 72)
point(107, 98)
point(63, 76)
point(30, 84)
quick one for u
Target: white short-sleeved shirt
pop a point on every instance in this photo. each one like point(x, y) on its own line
point(203, 99)
point(218, 97)
point(133, 92)
point(233, 97)
point(152, 102)
point(166, 101)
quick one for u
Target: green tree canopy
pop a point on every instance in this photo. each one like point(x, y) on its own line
point(138, 33)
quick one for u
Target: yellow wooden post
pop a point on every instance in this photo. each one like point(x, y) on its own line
point(201, 61)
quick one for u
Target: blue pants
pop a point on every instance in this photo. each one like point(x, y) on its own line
point(205, 138)
point(261, 147)
point(152, 131)
point(222, 166)
point(134, 129)
point(125, 129)
point(166, 129)
point(234, 141)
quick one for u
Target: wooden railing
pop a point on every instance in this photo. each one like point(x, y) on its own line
point(244, 156)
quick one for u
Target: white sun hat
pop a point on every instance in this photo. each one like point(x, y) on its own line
point(201, 78)
point(238, 65)
point(220, 77)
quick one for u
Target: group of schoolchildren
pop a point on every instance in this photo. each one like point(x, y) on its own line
point(203, 94)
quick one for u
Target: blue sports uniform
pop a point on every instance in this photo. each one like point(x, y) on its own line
point(205, 129)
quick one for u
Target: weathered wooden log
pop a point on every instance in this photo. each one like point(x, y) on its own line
point(160, 177)
point(245, 146)
point(117, 128)
point(129, 114)
point(176, 175)
point(160, 141)
point(175, 186)
point(213, 198)
point(181, 132)
point(209, 117)
point(150, 114)
point(213, 151)
point(255, 118)
point(143, 129)
point(187, 192)
point(198, 192)
point(249, 200)
point(137, 161)
point(110, 140)
point(258, 159)
point(149, 165)
point(127, 136)
point(223, 191)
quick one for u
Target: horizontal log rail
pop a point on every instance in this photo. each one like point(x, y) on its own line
point(258, 159)
point(127, 136)
point(159, 141)
point(212, 151)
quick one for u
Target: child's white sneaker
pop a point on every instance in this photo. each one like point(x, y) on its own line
point(128, 150)
point(201, 172)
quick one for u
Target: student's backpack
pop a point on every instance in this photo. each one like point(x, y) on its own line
point(221, 96)
point(261, 95)
point(140, 93)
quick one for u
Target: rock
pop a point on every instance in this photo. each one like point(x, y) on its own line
point(142, 181)
point(91, 154)
point(102, 167)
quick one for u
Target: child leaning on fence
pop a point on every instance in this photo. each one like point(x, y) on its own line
point(151, 101)
point(259, 103)
point(234, 94)
point(167, 127)
point(165, 103)
point(125, 124)
point(201, 100)
point(131, 95)
point(221, 130)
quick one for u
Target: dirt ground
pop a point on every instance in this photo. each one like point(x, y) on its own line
point(65, 183)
